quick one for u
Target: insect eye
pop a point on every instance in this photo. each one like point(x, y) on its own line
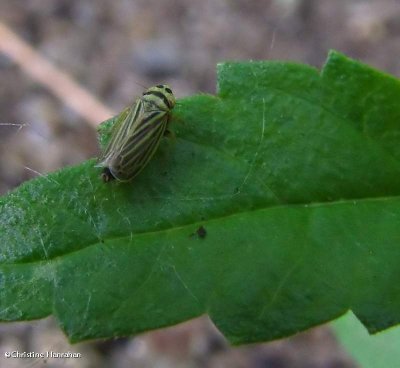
point(168, 90)
point(160, 86)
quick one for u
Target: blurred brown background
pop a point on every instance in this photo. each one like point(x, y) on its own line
point(112, 48)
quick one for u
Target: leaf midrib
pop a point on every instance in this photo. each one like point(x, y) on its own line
point(306, 206)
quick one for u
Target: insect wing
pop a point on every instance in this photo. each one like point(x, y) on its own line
point(141, 144)
point(137, 133)
point(119, 132)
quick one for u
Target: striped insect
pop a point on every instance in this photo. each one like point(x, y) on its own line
point(137, 133)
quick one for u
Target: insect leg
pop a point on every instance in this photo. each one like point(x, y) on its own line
point(106, 175)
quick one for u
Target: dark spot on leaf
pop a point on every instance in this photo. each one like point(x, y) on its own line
point(201, 232)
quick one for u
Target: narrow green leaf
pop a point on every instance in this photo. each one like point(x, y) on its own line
point(378, 351)
point(294, 176)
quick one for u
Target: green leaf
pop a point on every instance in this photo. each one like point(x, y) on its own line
point(378, 351)
point(294, 176)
